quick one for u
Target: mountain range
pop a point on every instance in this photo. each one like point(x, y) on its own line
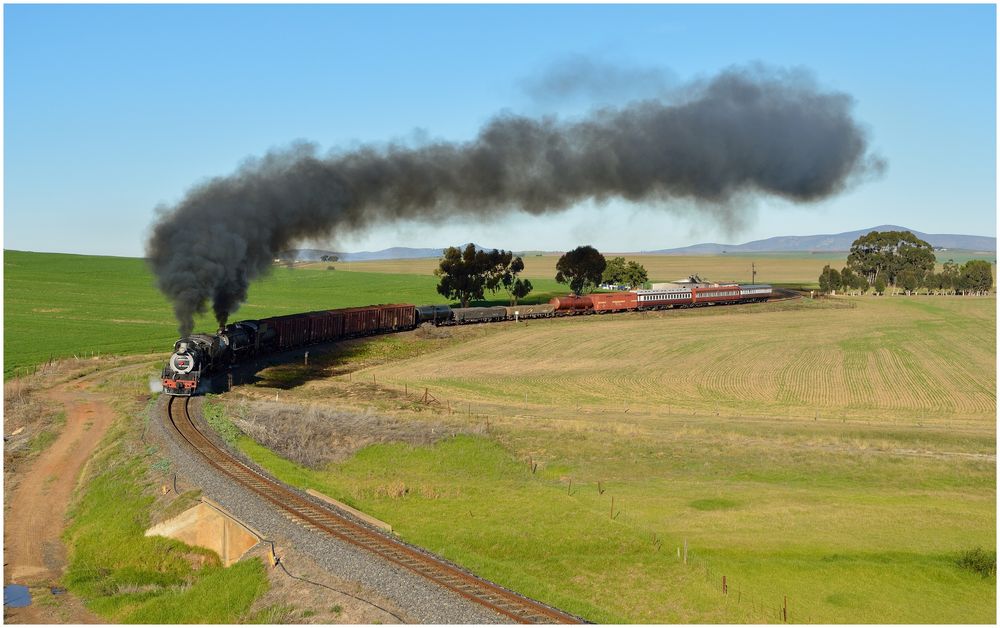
point(807, 243)
point(832, 242)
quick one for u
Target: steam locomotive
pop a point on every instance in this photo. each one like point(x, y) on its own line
point(199, 355)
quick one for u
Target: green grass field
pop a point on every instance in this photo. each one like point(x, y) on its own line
point(127, 577)
point(59, 305)
point(840, 453)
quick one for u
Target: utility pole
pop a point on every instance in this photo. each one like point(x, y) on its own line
point(753, 273)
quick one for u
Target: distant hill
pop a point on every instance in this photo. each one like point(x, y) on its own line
point(396, 252)
point(832, 242)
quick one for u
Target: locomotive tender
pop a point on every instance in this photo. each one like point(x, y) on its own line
point(199, 355)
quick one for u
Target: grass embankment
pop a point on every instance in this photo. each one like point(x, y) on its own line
point(839, 453)
point(127, 577)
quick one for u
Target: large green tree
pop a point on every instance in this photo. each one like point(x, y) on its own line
point(908, 280)
point(581, 268)
point(949, 275)
point(829, 279)
point(619, 272)
point(885, 254)
point(614, 271)
point(463, 273)
point(467, 274)
point(849, 280)
point(976, 277)
point(504, 268)
point(635, 275)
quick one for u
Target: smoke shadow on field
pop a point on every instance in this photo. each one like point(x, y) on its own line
point(291, 369)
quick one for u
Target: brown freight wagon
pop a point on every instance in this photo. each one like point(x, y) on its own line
point(362, 321)
point(326, 326)
point(292, 330)
point(614, 301)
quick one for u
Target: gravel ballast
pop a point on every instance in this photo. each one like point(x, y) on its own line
point(411, 598)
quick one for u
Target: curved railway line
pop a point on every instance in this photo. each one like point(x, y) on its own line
point(317, 518)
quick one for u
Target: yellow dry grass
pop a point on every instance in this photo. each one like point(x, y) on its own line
point(772, 268)
point(910, 359)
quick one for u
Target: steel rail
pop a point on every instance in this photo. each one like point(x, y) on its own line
point(315, 517)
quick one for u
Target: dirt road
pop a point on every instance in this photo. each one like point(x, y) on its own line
point(34, 555)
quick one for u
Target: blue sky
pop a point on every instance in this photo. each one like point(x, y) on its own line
point(111, 111)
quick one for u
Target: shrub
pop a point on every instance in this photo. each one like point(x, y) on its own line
point(979, 561)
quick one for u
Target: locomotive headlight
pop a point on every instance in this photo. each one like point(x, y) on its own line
point(182, 363)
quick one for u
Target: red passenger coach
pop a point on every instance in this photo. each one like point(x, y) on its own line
point(614, 301)
point(716, 294)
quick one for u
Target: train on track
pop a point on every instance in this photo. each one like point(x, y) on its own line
point(200, 355)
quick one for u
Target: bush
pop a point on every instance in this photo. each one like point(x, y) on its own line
point(979, 561)
point(314, 436)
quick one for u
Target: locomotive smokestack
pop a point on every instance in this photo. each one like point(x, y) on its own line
point(742, 133)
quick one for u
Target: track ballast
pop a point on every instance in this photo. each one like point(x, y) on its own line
point(325, 520)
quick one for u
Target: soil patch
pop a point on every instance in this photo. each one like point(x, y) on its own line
point(34, 554)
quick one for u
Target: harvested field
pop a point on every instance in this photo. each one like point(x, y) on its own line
point(839, 452)
point(796, 268)
point(908, 359)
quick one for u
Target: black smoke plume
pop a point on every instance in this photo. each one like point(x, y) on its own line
point(741, 133)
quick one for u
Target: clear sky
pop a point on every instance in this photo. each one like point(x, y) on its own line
point(110, 111)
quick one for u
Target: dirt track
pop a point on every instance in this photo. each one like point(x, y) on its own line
point(34, 554)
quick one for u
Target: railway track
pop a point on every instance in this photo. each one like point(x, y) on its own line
point(317, 518)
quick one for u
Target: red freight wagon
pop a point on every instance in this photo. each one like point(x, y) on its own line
point(614, 301)
point(326, 326)
point(361, 321)
point(291, 331)
point(392, 317)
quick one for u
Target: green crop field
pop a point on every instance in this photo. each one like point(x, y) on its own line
point(840, 452)
point(59, 305)
point(837, 453)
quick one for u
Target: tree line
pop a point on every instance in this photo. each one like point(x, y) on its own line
point(898, 261)
point(467, 274)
